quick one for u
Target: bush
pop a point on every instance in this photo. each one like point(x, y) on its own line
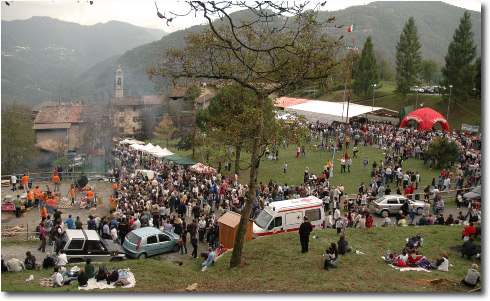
point(444, 152)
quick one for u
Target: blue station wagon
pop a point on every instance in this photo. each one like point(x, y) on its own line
point(148, 241)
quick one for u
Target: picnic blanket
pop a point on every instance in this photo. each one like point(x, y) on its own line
point(405, 269)
point(93, 284)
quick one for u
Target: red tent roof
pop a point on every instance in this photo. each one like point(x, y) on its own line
point(426, 118)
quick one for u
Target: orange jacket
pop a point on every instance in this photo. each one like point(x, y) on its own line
point(90, 194)
point(30, 196)
point(44, 213)
point(56, 178)
point(25, 179)
point(37, 191)
point(115, 186)
point(72, 192)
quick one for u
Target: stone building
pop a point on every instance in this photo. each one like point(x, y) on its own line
point(130, 116)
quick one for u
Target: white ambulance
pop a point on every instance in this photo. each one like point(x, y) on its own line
point(287, 216)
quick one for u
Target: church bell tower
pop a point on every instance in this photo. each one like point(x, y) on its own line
point(119, 90)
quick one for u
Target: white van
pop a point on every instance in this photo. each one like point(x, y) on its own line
point(287, 216)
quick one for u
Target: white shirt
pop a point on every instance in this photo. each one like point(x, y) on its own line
point(13, 179)
point(61, 260)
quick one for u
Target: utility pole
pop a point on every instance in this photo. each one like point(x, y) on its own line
point(449, 103)
point(348, 97)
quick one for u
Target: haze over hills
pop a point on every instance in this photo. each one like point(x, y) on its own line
point(384, 21)
point(41, 53)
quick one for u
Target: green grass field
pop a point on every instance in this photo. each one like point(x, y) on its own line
point(275, 264)
point(315, 160)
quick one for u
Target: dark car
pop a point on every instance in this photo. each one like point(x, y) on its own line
point(80, 245)
point(475, 194)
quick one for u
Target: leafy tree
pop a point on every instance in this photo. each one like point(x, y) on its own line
point(165, 128)
point(444, 152)
point(63, 162)
point(192, 93)
point(263, 50)
point(18, 140)
point(427, 68)
point(408, 58)
point(461, 52)
point(367, 72)
point(385, 71)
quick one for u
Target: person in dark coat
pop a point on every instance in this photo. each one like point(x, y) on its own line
point(48, 261)
point(304, 234)
point(343, 246)
point(469, 249)
point(124, 229)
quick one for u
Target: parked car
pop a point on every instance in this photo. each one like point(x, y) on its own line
point(80, 245)
point(148, 241)
point(475, 194)
point(391, 204)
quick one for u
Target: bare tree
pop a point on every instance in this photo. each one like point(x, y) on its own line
point(267, 47)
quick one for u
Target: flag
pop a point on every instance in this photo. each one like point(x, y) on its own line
point(353, 48)
point(351, 28)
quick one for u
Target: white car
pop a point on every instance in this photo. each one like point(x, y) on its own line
point(391, 204)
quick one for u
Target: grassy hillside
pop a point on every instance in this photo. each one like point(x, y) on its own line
point(315, 160)
point(275, 264)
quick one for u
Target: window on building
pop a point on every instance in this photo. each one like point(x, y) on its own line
point(121, 119)
point(135, 119)
point(121, 130)
point(134, 129)
point(121, 109)
point(134, 108)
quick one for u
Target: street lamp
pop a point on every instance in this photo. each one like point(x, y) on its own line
point(449, 103)
point(417, 99)
point(372, 108)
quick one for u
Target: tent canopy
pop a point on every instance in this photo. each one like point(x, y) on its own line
point(327, 111)
point(426, 118)
point(164, 152)
point(176, 158)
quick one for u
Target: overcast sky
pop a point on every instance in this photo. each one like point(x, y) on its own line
point(139, 12)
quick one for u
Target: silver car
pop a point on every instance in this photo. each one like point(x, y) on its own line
point(391, 204)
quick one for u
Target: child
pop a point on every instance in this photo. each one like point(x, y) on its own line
point(339, 224)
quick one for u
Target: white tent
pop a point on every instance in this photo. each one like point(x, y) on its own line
point(148, 147)
point(326, 111)
point(163, 153)
point(136, 146)
point(131, 141)
point(155, 150)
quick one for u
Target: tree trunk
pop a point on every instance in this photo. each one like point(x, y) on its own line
point(236, 256)
point(237, 160)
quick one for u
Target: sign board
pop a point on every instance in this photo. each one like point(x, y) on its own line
point(469, 128)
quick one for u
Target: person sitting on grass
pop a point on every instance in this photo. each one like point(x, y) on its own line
point(343, 245)
point(48, 261)
point(472, 277)
point(14, 264)
point(82, 278)
point(89, 268)
point(469, 249)
point(442, 262)
point(57, 278)
point(30, 261)
point(331, 256)
point(211, 258)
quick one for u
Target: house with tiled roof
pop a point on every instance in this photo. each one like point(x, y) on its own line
point(56, 126)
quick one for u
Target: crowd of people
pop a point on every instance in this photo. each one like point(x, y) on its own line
point(176, 199)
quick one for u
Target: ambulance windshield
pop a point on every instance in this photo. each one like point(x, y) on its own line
point(263, 219)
